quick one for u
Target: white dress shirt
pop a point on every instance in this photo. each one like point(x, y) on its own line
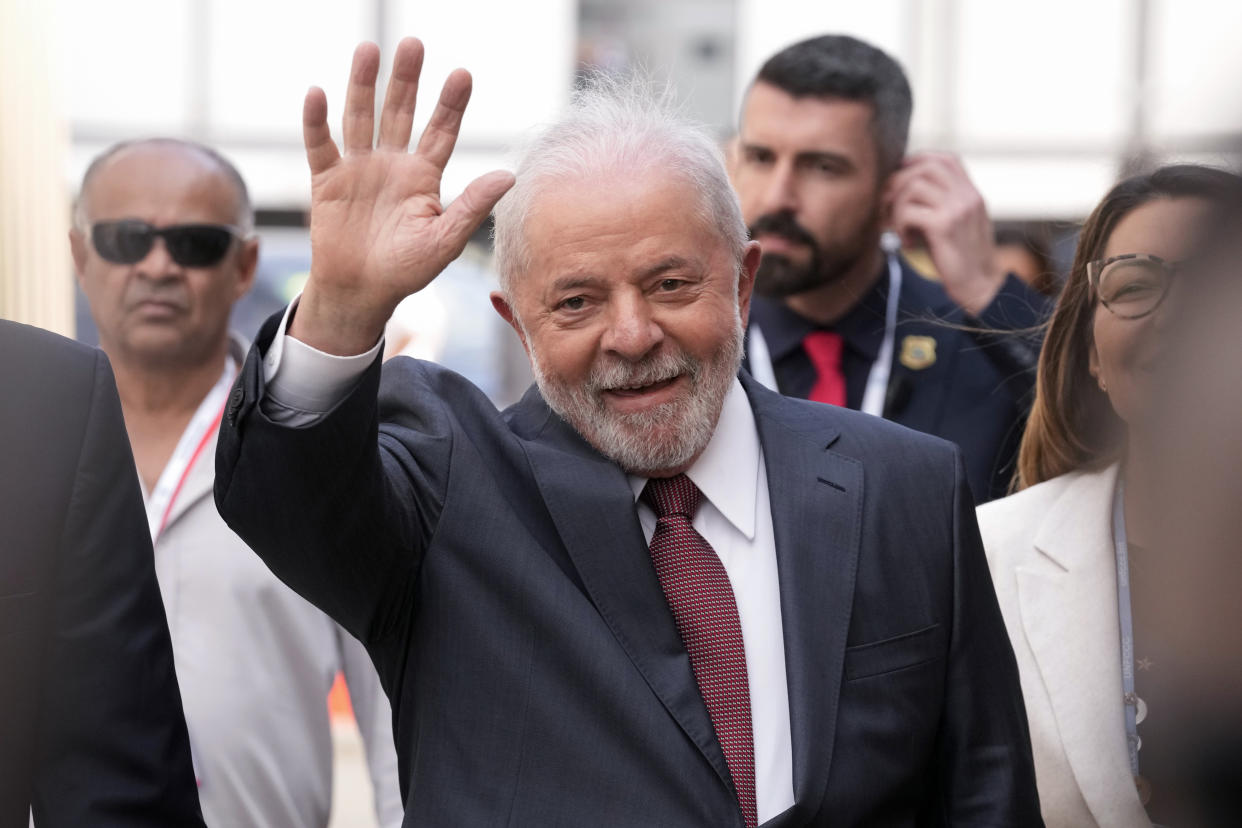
point(735, 518)
point(255, 662)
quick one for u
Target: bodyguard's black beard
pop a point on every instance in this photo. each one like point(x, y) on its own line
point(778, 276)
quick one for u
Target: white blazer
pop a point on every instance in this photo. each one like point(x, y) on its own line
point(1050, 549)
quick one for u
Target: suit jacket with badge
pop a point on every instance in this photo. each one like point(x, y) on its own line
point(966, 380)
point(1050, 549)
point(495, 567)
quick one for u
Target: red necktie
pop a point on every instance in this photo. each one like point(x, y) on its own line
point(824, 349)
point(699, 593)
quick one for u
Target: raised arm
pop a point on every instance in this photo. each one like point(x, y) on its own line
point(337, 511)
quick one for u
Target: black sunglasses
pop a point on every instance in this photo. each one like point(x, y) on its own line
point(190, 245)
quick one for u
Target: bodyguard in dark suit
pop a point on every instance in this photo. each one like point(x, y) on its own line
point(91, 729)
point(652, 593)
point(962, 379)
point(820, 168)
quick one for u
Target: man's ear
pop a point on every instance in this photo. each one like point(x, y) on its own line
point(751, 255)
point(247, 264)
point(501, 303)
point(78, 249)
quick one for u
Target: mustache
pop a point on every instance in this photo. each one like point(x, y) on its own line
point(782, 224)
point(168, 295)
point(650, 370)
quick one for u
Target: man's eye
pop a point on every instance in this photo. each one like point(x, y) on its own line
point(671, 284)
point(573, 303)
point(826, 167)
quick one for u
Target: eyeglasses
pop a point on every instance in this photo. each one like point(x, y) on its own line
point(190, 245)
point(1131, 285)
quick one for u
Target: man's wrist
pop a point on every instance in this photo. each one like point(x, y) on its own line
point(976, 299)
point(334, 328)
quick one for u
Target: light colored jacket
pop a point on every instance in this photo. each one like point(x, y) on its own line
point(1050, 549)
point(255, 662)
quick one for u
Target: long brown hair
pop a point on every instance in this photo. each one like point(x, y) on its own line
point(1072, 425)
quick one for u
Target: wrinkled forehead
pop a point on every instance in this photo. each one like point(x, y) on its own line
point(615, 220)
point(162, 185)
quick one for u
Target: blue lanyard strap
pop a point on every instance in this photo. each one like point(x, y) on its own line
point(1126, 620)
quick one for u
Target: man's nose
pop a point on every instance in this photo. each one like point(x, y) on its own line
point(158, 263)
point(633, 330)
point(780, 191)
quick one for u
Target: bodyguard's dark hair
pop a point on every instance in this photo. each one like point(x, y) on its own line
point(839, 66)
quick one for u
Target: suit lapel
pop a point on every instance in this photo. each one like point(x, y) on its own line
point(816, 501)
point(1068, 603)
point(592, 505)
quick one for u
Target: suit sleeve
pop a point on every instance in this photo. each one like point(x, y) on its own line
point(113, 746)
point(339, 509)
point(987, 773)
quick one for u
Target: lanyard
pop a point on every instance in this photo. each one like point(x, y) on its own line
point(876, 392)
point(1122, 550)
point(193, 440)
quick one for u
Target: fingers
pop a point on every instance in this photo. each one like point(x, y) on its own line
point(397, 117)
point(438, 139)
point(359, 118)
point(918, 191)
point(465, 214)
point(919, 170)
point(321, 153)
point(913, 223)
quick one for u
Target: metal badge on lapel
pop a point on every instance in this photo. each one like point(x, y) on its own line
point(918, 352)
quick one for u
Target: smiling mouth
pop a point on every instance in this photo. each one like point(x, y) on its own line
point(641, 390)
point(634, 399)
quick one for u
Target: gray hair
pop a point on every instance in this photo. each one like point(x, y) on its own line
point(616, 124)
point(245, 210)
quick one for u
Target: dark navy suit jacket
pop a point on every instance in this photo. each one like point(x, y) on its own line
point(494, 565)
point(975, 393)
point(91, 726)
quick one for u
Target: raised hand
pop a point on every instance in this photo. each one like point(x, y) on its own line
point(378, 229)
point(932, 201)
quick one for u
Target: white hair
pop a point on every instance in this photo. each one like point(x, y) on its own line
point(616, 125)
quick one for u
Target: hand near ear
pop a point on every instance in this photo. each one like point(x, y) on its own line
point(933, 202)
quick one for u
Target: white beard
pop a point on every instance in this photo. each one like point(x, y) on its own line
point(660, 439)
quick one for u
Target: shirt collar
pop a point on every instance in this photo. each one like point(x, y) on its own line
point(727, 472)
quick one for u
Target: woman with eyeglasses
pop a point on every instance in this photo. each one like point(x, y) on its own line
point(1071, 551)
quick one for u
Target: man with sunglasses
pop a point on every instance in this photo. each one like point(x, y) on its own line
point(163, 246)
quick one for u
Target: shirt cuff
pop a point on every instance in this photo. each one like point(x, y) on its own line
point(306, 379)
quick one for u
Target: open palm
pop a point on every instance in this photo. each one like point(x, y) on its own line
point(378, 229)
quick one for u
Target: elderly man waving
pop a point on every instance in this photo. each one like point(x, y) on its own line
point(651, 592)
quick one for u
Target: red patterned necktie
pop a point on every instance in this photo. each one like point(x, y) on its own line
point(699, 593)
point(824, 349)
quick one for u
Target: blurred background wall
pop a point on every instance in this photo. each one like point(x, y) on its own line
point(1048, 103)
point(34, 213)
